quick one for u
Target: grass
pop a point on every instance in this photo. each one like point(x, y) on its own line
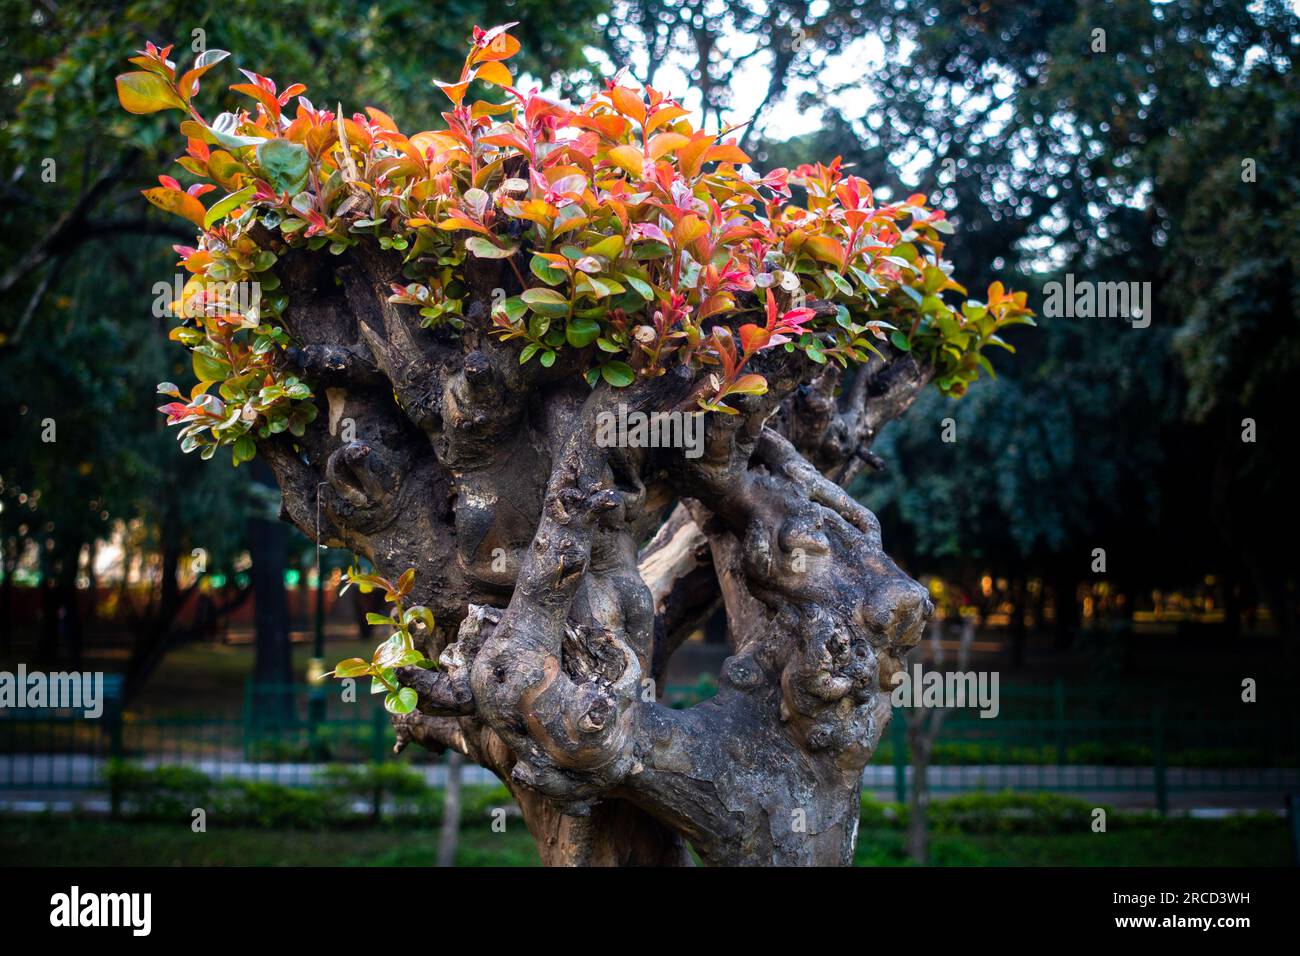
point(54, 841)
point(47, 841)
point(1190, 843)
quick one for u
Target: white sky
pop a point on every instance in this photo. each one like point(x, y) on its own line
point(783, 119)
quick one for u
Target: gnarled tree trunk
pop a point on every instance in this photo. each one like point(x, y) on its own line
point(564, 574)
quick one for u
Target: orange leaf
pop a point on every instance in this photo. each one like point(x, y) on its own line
point(664, 115)
point(726, 153)
point(689, 229)
point(494, 72)
point(753, 337)
point(826, 249)
point(501, 47)
point(455, 91)
point(607, 124)
point(382, 119)
point(691, 156)
point(178, 202)
point(628, 102)
point(666, 142)
point(750, 384)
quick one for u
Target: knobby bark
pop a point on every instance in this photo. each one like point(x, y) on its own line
point(564, 574)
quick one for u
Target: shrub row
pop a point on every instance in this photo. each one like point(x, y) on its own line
point(346, 797)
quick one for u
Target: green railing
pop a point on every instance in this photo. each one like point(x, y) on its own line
point(1055, 738)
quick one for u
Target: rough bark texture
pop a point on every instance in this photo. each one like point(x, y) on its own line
point(564, 574)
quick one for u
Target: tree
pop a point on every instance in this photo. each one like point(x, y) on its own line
point(81, 261)
point(463, 339)
point(1141, 157)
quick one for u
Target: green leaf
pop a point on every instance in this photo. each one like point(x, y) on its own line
point(352, 667)
point(210, 369)
point(284, 164)
point(142, 92)
point(840, 283)
point(545, 271)
point(617, 374)
point(402, 702)
point(900, 341)
point(228, 204)
point(539, 296)
point(582, 332)
point(609, 247)
point(513, 308)
point(485, 248)
point(545, 301)
point(245, 449)
point(643, 288)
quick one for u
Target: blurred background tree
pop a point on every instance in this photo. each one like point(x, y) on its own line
point(1110, 141)
point(79, 337)
point(1164, 154)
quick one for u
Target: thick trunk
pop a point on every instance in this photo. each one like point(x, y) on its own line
point(553, 635)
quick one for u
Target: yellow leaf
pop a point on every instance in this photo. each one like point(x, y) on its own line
point(628, 158)
point(175, 201)
point(142, 92)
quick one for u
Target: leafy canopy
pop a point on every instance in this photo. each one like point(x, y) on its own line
point(634, 237)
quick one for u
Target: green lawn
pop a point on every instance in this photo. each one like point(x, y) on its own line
point(1180, 845)
point(63, 842)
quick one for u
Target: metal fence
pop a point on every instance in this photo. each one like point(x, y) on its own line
point(1049, 738)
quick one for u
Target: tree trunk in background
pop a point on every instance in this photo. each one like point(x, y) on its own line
point(1231, 606)
point(70, 625)
point(920, 741)
point(273, 658)
point(922, 733)
point(154, 631)
point(1016, 627)
point(60, 615)
point(9, 555)
point(449, 838)
point(1067, 609)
